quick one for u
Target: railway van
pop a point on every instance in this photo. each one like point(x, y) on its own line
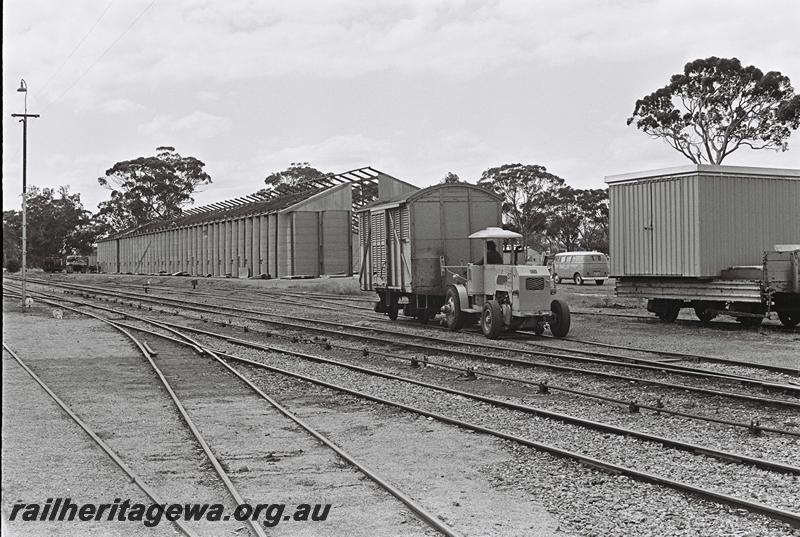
point(438, 251)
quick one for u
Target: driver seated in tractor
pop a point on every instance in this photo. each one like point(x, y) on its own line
point(493, 256)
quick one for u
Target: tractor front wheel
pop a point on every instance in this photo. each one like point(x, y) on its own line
point(491, 319)
point(559, 324)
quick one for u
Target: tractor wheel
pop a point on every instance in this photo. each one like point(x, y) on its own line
point(559, 324)
point(577, 278)
point(789, 319)
point(453, 316)
point(491, 319)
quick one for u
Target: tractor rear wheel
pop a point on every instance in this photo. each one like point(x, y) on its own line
point(559, 324)
point(453, 316)
point(789, 319)
point(491, 319)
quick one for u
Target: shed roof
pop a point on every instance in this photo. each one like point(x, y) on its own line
point(364, 182)
point(692, 169)
point(411, 196)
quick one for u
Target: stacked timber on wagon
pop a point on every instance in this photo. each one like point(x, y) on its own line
point(719, 239)
point(305, 230)
point(405, 241)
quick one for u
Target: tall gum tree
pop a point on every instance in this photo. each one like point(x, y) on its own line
point(150, 188)
point(717, 106)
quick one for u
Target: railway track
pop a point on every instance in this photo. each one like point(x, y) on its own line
point(542, 386)
point(592, 461)
point(187, 366)
point(487, 351)
point(552, 344)
point(633, 403)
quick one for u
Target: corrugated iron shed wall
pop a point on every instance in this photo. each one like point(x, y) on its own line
point(696, 221)
point(254, 236)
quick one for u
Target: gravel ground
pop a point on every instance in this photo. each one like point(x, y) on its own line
point(587, 502)
point(745, 482)
point(593, 518)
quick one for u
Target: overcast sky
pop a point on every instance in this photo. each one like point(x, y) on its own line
point(414, 88)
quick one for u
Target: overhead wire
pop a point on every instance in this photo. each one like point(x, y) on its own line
point(52, 77)
point(106, 51)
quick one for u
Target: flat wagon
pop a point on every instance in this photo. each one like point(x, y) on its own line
point(708, 238)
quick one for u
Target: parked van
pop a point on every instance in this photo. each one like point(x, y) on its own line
point(581, 266)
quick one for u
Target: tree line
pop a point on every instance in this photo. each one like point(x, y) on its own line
point(712, 108)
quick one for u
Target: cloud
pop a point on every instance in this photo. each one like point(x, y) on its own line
point(336, 153)
point(118, 106)
point(197, 124)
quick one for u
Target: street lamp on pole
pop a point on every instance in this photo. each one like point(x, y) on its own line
point(23, 88)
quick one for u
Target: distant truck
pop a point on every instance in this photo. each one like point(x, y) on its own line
point(77, 263)
point(708, 238)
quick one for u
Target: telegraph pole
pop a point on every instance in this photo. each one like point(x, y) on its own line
point(23, 88)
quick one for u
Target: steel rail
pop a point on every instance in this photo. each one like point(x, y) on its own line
point(553, 387)
point(613, 360)
point(616, 361)
point(420, 511)
point(512, 361)
point(656, 409)
point(776, 513)
point(779, 514)
point(223, 475)
point(99, 441)
point(566, 418)
point(186, 418)
point(682, 356)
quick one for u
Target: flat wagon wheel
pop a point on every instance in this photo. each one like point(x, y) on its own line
point(393, 308)
point(577, 278)
point(750, 322)
point(559, 324)
point(453, 316)
point(491, 319)
point(704, 313)
point(789, 318)
point(670, 312)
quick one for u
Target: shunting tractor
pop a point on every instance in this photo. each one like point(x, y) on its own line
point(502, 297)
point(420, 253)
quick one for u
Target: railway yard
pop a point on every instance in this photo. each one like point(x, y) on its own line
point(297, 392)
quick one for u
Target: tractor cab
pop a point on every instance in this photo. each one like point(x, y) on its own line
point(502, 297)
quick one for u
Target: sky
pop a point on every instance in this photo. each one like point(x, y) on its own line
point(415, 88)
